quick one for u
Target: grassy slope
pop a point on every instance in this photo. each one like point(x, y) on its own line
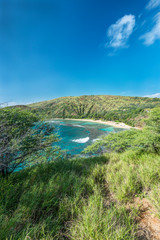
point(83, 199)
point(129, 110)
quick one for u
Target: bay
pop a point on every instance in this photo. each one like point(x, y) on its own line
point(76, 135)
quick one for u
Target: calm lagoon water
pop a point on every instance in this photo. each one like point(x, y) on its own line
point(77, 135)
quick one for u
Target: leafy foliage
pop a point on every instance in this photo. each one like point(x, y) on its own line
point(153, 122)
point(21, 135)
point(146, 140)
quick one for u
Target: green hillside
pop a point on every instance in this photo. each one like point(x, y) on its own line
point(129, 110)
point(114, 196)
point(111, 196)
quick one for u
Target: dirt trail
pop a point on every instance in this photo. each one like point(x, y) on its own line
point(149, 223)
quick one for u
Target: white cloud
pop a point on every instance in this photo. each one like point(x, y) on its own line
point(153, 35)
point(119, 33)
point(156, 95)
point(153, 4)
point(8, 104)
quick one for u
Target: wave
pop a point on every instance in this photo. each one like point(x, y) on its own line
point(52, 121)
point(81, 140)
point(78, 126)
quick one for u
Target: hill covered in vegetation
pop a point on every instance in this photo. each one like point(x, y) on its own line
point(45, 195)
point(115, 195)
point(130, 110)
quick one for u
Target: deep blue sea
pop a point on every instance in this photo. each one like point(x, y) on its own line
point(77, 135)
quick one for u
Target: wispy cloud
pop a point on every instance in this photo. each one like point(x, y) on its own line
point(153, 35)
point(153, 4)
point(8, 104)
point(156, 95)
point(119, 33)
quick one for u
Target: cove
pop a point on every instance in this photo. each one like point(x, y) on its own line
point(75, 136)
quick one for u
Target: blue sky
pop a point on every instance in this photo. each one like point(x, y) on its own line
point(54, 48)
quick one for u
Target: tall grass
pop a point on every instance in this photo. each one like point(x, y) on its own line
point(133, 174)
point(79, 199)
point(62, 200)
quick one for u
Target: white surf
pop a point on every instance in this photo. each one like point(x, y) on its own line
point(81, 140)
point(78, 126)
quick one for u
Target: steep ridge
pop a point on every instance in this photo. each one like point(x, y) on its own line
point(130, 110)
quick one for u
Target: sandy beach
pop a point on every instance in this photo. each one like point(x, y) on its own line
point(111, 123)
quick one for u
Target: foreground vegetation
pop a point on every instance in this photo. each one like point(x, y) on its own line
point(22, 135)
point(86, 198)
point(130, 110)
point(62, 200)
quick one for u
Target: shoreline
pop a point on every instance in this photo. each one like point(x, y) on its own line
point(110, 123)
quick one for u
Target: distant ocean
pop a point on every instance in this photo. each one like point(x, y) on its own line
point(77, 135)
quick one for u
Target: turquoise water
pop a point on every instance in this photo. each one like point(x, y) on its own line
point(77, 135)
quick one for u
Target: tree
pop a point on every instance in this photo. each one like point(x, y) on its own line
point(21, 135)
point(146, 140)
point(153, 122)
